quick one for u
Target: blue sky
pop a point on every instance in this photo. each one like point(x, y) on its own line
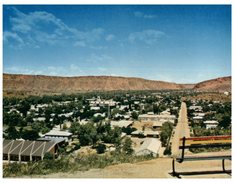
point(176, 43)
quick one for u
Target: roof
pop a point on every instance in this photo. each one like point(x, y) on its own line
point(26, 147)
point(137, 132)
point(156, 116)
point(211, 122)
point(197, 117)
point(121, 123)
point(58, 133)
point(151, 132)
point(151, 144)
point(157, 123)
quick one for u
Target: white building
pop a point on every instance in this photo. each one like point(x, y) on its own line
point(211, 124)
point(149, 146)
point(41, 119)
point(58, 134)
point(196, 108)
point(96, 108)
point(121, 123)
point(157, 118)
point(99, 114)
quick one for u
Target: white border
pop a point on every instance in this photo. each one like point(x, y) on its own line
point(174, 2)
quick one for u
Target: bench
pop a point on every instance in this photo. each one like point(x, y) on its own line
point(202, 142)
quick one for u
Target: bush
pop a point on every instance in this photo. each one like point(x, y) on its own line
point(100, 148)
point(167, 151)
point(48, 156)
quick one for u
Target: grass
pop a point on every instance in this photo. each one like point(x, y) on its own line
point(69, 164)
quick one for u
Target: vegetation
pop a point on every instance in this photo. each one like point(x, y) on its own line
point(89, 134)
point(166, 131)
point(69, 164)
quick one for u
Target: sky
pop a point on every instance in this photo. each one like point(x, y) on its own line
point(175, 43)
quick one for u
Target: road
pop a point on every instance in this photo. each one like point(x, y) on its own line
point(182, 129)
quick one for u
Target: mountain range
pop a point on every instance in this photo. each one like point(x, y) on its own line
point(17, 84)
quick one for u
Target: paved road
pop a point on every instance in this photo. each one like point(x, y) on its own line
point(182, 129)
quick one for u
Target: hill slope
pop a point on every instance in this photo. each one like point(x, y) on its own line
point(36, 84)
point(16, 84)
point(219, 85)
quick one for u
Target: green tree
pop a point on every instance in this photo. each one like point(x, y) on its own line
point(29, 135)
point(127, 146)
point(12, 133)
point(134, 115)
point(225, 122)
point(24, 107)
point(100, 148)
point(166, 131)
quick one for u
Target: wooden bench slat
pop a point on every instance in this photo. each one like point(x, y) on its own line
point(204, 146)
point(208, 138)
point(203, 158)
point(207, 142)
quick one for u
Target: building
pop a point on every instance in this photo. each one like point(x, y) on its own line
point(211, 124)
point(156, 118)
point(59, 134)
point(25, 150)
point(151, 133)
point(195, 108)
point(121, 123)
point(150, 146)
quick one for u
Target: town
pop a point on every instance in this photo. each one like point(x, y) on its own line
point(140, 124)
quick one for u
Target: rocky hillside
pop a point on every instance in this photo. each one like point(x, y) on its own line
point(219, 85)
point(14, 84)
point(37, 84)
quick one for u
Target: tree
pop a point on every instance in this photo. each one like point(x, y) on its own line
point(87, 134)
point(166, 131)
point(134, 115)
point(100, 148)
point(24, 107)
point(128, 130)
point(225, 122)
point(127, 146)
point(48, 156)
point(12, 133)
point(29, 135)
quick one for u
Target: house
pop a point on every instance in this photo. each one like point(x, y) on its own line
point(121, 123)
point(150, 117)
point(196, 108)
point(95, 108)
point(211, 124)
point(150, 146)
point(137, 133)
point(40, 119)
point(226, 93)
point(25, 150)
point(151, 133)
point(197, 119)
point(58, 134)
point(99, 114)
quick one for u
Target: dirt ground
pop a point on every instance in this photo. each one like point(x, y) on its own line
point(156, 168)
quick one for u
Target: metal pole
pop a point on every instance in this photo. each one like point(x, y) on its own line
point(183, 148)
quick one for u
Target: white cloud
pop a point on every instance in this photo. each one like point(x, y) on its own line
point(71, 70)
point(43, 27)
point(110, 37)
point(14, 38)
point(148, 36)
point(140, 14)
